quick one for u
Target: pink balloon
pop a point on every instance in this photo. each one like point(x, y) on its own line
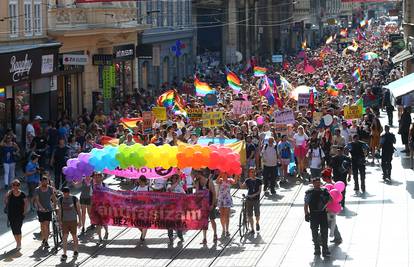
point(334, 207)
point(335, 195)
point(321, 83)
point(329, 187)
point(340, 186)
point(260, 120)
point(340, 86)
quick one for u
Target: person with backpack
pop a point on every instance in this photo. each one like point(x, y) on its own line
point(341, 168)
point(69, 217)
point(387, 151)
point(270, 160)
point(284, 149)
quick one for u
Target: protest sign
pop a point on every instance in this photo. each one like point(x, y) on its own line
point(149, 173)
point(352, 112)
point(160, 113)
point(242, 107)
point(147, 122)
point(151, 210)
point(284, 117)
point(317, 117)
point(195, 114)
point(213, 119)
point(303, 100)
point(281, 128)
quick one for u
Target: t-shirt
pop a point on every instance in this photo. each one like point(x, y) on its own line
point(300, 139)
point(284, 149)
point(15, 206)
point(253, 186)
point(30, 167)
point(250, 149)
point(68, 208)
point(45, 197)
point(61, 155)
point(316, 154)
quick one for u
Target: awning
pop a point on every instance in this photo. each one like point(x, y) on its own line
point(402, 56)
point(402, 86)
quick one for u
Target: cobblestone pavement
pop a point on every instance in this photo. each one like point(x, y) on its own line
point(375, 228)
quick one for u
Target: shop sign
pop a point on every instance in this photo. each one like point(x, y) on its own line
point(108, 76)
point(277, 58)
point(27, 65)
point(104, 60)
point(124, 52)
point(69, 59)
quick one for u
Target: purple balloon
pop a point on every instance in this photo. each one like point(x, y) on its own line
point(84, 157)
point(72, 162)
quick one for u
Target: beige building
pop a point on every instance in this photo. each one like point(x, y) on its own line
point(28, 64)
point(97, 58)
point(408, 25)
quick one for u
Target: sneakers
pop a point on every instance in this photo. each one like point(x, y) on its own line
point(106, 236)
point(75, 254)
point(317, 251)
point(326, 252)
point(83, 231)
point(257, 227)
point(337, 241)
point(63, 258)
point(45, 244)
point(251, 232)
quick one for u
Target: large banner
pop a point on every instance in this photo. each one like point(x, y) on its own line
point(149, 173)
point(284, 117)
point(151, 210)
point(242, 107)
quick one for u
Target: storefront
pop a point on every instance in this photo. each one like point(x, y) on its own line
point(164, 58)
point(69, 83)
point(28, 84)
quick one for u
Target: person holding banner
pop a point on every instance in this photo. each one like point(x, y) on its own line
point(98, 181)
point(142, 186)
point(175, 187)
point(201, 182)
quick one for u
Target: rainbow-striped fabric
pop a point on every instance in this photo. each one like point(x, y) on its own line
point(331, 89)
point(259, 71)
point(233, 81)
point(202, 88)
point(357, 74)
point(172, 100)
point(2, 93)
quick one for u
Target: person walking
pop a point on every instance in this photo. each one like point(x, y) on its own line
point(58, 160)
point(387, 104)
point(269, 157)
point(341, 169)
point(316, 159)
point(85, 201)
point(69, 217)
point(254, 189)
point(44, 196)
point(98, 182)
point(175, 187)
point(203, 182)
point(358, 151)
point(224, 201)
point(33, 177)
point(404, 128)
point(9, 150)
point(284, 150)
point(387, 151)
point(316, 200)
point(16, 205)
point(300, 141)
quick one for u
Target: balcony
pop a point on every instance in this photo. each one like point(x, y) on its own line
point(78, 18)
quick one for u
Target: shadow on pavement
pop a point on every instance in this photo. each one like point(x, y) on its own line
point(9, 256)
point(410, 188)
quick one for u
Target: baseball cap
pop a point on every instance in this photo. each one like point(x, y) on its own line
point(38, 117)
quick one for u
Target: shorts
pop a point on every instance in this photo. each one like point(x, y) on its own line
point(32, 187)
point(70, 227)
point(16, 225)
point(300, 151)
point(85, 201)
point(285, 161)
point(44, 216)
point(253, 205)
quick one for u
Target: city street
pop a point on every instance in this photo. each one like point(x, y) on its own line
point(375, 228)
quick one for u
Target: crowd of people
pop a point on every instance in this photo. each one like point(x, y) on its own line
point(342, 146)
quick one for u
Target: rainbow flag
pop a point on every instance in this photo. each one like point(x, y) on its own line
point(2, 93)
point(130, 123)
point(233, 81)
point(344, 32)
point(172, 100)
point(331, 89)
point(357, 74)
point(360, 103)
point(259, 71)
point(202, 88)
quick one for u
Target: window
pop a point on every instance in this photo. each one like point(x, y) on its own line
point(28, 30)
point(38, 18)
point(188, 12)
point(149, 14)
point(165, 15)
point(170, 13)
point(159, 13)
point(14, 18)
point(179, 15)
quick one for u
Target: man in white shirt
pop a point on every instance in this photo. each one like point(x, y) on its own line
point(30, 134)
point(269, 158)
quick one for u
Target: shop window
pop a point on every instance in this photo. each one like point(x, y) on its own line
point(13, 18)
point(28, 23)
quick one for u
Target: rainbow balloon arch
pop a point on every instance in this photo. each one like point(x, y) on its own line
point(152, 156)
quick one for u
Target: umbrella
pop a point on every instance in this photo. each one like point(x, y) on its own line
point(369, 56)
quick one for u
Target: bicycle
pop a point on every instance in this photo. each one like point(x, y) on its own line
point(243, 221)
point(56, 231)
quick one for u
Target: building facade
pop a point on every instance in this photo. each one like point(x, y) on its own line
point(165, 51)
point(408, 25)
point(28, 64)
point(98, 54)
